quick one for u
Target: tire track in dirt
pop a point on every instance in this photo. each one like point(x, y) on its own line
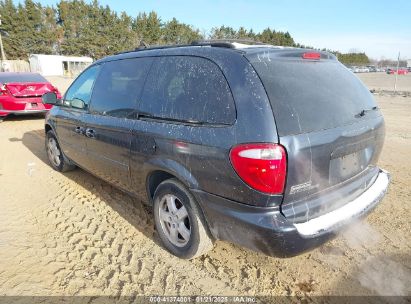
point(65, 234)
point(110, 244)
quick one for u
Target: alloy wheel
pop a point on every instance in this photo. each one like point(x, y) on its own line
point(174, 220)
point(53, 152)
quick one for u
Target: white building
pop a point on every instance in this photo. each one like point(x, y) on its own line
point(55, 65)
point(409, 63)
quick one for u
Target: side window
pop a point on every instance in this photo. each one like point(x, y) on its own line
point(118, 86)
point(189, 89)
point(82, 87)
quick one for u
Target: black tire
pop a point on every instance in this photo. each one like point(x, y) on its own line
point(63, 164)
point(199, 241)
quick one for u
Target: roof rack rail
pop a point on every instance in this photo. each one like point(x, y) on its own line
point(224, 43)
point(227, 42)
point(159, 47)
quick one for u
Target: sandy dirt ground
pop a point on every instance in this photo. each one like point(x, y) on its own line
point(73, 234)
point(384, 81)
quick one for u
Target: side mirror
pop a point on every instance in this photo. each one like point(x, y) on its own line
point(77, 103)
point(49, 98)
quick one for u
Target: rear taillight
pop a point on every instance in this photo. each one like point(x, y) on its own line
point(261, 166)
point(312, 55)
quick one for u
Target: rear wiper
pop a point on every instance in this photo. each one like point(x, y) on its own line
point(363, 112)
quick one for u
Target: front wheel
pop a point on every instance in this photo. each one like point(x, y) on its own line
point(179, 221)
point(56, 157)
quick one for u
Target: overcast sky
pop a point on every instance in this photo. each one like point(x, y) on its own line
point(381, 28)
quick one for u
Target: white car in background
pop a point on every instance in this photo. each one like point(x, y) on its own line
point(355, 69)
point(363, 70)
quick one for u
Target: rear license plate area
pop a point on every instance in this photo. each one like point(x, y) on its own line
point(347, 166)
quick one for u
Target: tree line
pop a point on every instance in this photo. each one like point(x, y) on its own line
point(353, 58)
point(391, 63)
point(78, 28)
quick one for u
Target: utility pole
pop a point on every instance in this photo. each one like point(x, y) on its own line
point(3, 55)
point(396, 74)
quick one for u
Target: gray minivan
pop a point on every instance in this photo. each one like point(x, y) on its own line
point(271, 148)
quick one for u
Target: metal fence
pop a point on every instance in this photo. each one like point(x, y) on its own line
point(14, 66)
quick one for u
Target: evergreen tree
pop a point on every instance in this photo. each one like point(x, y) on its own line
point(79, 28)
point(353, 58)
point(276, 38)
point(175, 32)
point(223, 32)
point(148, 28)
point(74, 21)
point(51, 31)
point(10, 23)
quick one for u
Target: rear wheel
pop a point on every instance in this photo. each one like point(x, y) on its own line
point(57, 160)
point(179, 222)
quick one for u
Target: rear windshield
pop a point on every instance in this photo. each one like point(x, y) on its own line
point(309, 96)
point(8, 78)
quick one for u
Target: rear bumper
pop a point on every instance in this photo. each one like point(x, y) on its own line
point(22, 106)
point(354, 209)
point(265, 229)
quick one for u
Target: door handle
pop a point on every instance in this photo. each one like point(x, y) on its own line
point(78, 130)
point(90, 133)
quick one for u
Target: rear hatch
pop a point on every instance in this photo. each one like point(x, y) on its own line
point(29, 89)
point(329, 124)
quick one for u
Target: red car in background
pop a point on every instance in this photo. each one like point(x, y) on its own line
point(401, 71)
point(20, 93)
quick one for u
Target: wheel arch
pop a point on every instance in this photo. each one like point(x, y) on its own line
point(47, 128)
point(154, 179)
point(159, 170)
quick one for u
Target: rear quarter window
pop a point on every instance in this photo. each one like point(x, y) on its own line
point(187, 88)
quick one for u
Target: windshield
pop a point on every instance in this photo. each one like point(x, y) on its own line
point(21, 77)
point(308, 96)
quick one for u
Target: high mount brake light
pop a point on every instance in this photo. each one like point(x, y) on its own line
point(312, 55)
point(261, 166)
